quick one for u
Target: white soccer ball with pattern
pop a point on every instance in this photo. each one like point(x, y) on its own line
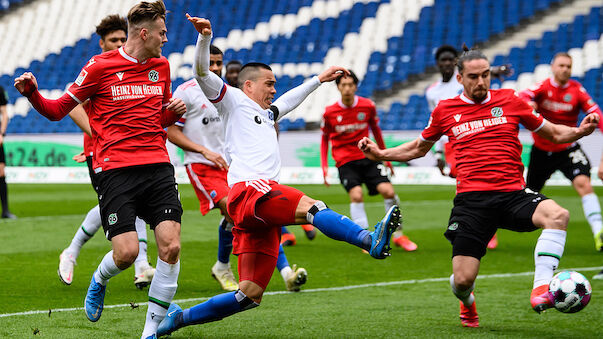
point(569, 291)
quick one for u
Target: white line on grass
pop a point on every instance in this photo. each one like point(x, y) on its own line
point(313, 290)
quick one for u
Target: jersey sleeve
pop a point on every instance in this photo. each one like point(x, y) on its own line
point(433, 131)
point(182, 95)
point(86, 84)
point(528, 117)
point(531, 93)
point(167, 90)
point(587, 103)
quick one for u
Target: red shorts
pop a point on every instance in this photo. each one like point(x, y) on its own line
point(256, 267)
point(259, 208)
point(209, 183)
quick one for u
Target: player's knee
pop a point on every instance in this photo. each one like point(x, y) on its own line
point(170, 252)
point(125, 256)
point(560, 218)
point(463, 281)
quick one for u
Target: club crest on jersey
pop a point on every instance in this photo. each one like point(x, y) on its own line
point(567, 97)
point(497, 112)
point(339, 118)
point(153, 75)
point(120, 75)
point(457, 117)
point(361, 116)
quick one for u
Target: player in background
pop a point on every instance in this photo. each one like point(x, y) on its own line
point(482, 124)
point(559, 99)
point(112, 32)
point(259, 205)
point(446, 88)
point(130, 104)
point(233, 68)
point(6, 214)
point(344, 123)
point(201, 135)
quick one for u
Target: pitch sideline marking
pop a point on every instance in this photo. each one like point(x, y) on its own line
point(313, 290)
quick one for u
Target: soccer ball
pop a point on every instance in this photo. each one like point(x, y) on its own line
point(569, 291)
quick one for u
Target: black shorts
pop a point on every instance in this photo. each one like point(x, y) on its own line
point(2, 156)
point(476, 216)
point(93, 180)
point(571, 162)
point(363, 171)
point(148, 191)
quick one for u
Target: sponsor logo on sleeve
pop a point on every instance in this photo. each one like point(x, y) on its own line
point(80, 78)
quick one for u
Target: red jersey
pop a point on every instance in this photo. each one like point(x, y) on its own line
point(345, 126)
point(559, 105)
point(125, 108)
point(484, 138)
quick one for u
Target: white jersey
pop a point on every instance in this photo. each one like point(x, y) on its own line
point(201, 122)
point(442, 91)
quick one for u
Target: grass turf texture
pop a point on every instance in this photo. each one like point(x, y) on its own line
point(50, 214)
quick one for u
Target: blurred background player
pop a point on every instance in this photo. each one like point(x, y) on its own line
point(112, 32)
point(446, 88)
point(6, 214)
point(483, 125)
point(559, 99)
point(200, 134)
point(344, 123)
point(232, 72)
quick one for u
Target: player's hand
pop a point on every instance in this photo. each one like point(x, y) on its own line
point(502, 71)
point(202, 25)
point(324, 179)
point(217, 159)
point(441, 165)
point(369, 148)
point(391, 167)
point(80, 157)
point(333, 73)
point(589, 124)
point(26, 84)
point(177, 106)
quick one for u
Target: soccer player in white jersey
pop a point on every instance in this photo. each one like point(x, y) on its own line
point(258, 205)
point(112, 31)
point(200, 134)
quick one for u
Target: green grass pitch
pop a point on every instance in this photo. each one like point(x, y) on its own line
point(348, 294)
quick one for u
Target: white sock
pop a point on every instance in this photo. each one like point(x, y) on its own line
point(285, 272)
point(464, 296)
point(221, 266)
point(547, 254)
point(161, 292)
point(358, 214)
point(592, 212)
point(142, 261)
point(90, 225)
point(106, 269)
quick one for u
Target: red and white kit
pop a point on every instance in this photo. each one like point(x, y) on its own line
point(203, 126)
point(560, 105)
point(345, 126)
point(490, 125)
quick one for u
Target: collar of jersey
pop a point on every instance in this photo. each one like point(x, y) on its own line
point(469, 101)
point(128, 57)
point(556, 85)
point(340, 102)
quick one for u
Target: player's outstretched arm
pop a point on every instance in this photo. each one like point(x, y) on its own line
point(53, 110)
point(405, 152)
point(563, 134)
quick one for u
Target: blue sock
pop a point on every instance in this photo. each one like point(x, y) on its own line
point(224, 243)
point(284, 230)
point(281, 260)
point(340, 227)
point(216, 308)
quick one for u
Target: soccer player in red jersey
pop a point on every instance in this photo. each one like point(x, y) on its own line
point(130, 104)
point(559, 99)
point(112, 31)
point(257, 203)
point(344, 123)
point(491, 192)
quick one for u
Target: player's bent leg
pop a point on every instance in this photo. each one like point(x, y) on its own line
point(549, 250)
point(165, 282)
point(462, 282)
point(339, 227)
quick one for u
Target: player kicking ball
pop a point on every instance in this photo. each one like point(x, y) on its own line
point(482, 125)
point(257, 203)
